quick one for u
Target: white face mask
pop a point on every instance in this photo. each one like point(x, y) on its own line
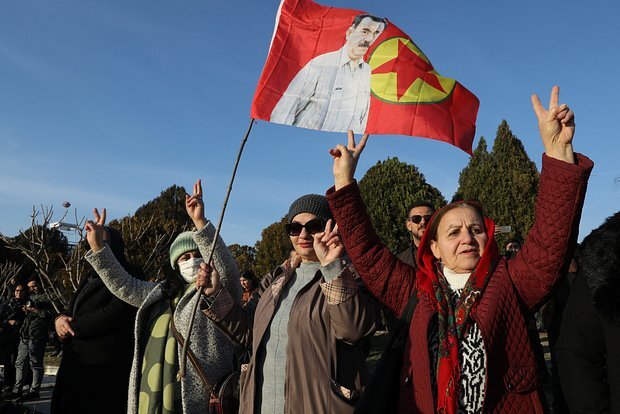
point(189, 269)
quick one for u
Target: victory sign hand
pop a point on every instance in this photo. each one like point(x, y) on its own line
point(327, 244)
point(557, 127)
point(195, 206)
point(95, 230)
point(346, 158)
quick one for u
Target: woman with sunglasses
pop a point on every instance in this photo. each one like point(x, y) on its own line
point(305, 326)
point(468, 349)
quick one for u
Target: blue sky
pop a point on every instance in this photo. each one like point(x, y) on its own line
point(106, 104)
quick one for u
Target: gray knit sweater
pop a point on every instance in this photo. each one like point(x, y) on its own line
point(211, 347)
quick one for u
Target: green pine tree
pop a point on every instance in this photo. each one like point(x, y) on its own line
point(244, 255)
point(504, 181)
point(149, 233)
point(473, 177)
point(388, 189)
point(272, 249)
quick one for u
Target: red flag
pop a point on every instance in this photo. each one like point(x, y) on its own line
point(337, 69)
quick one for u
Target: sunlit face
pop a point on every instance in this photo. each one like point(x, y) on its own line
point(192, 254)
point(304, 243)
point(461, 239)
point(361, 37)
point(417, 230)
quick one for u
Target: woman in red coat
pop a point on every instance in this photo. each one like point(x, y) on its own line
point(468, 350)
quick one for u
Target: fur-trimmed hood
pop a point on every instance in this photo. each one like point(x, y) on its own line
point(599, 261)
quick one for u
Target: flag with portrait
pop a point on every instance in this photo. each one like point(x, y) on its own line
point(336, 69)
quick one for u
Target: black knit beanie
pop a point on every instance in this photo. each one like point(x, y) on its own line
point(310, 203)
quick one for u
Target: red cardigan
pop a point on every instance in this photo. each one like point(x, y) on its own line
point(512, 378)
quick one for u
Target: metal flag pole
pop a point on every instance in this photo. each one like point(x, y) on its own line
point(183, 361)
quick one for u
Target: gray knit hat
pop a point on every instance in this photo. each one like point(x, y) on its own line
point(310, 203)
point(182, 244)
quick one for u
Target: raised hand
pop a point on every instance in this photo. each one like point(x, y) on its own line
point(345, 160)
point(208, 279)
point(95, 230)
point(557, 127)
point(195, 206)
point(327, 244)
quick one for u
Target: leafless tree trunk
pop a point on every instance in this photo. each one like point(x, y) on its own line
point(35, 246)
point(134, 234)
point(8, 270)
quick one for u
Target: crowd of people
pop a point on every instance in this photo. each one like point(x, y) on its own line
point(296, 341)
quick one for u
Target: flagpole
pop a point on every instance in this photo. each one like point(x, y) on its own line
point(183, 361)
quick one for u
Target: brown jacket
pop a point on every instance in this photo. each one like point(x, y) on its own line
point(325, 352)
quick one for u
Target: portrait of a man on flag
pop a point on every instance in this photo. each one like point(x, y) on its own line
point(332, 91)
point(334, 69)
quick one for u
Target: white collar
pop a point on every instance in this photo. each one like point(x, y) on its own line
point(455, 280)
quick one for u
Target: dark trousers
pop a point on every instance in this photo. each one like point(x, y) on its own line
point(32, 350)
point(8, 355)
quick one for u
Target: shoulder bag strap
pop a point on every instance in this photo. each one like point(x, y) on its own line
point(402, 332)
point(410, 307)
point(190, 354)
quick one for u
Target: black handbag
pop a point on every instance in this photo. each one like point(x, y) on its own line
point(225, 396)
point(381, 393)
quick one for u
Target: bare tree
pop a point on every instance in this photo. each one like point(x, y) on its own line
point(8, 270)
point(137, 234)
point(74, 262)
point(45, 249)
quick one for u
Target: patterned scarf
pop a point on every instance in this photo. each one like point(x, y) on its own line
point(160, 393)
point(454, 318)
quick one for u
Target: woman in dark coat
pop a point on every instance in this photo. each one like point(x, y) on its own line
point(97, 335)
point(589, 344)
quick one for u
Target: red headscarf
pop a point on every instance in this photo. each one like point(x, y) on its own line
point(454, 319)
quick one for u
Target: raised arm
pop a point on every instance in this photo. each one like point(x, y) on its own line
point(550, 244)
point(346, 159)
point(388, 279)
point(224, 262)
point(557, 127)
point(121, 284)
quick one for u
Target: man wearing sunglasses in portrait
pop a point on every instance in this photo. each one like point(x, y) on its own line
point(420, 213)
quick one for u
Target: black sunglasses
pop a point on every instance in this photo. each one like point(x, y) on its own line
point(313, 226)
point(416, 218)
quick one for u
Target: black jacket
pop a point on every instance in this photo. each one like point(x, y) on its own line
point(409, 256)
point(588, 349)
point(103, 325)
point(94, 372)
point(36, 324)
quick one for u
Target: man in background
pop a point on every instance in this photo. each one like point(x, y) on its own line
point(33, 337)
point(419, 215)
point(12, 316)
